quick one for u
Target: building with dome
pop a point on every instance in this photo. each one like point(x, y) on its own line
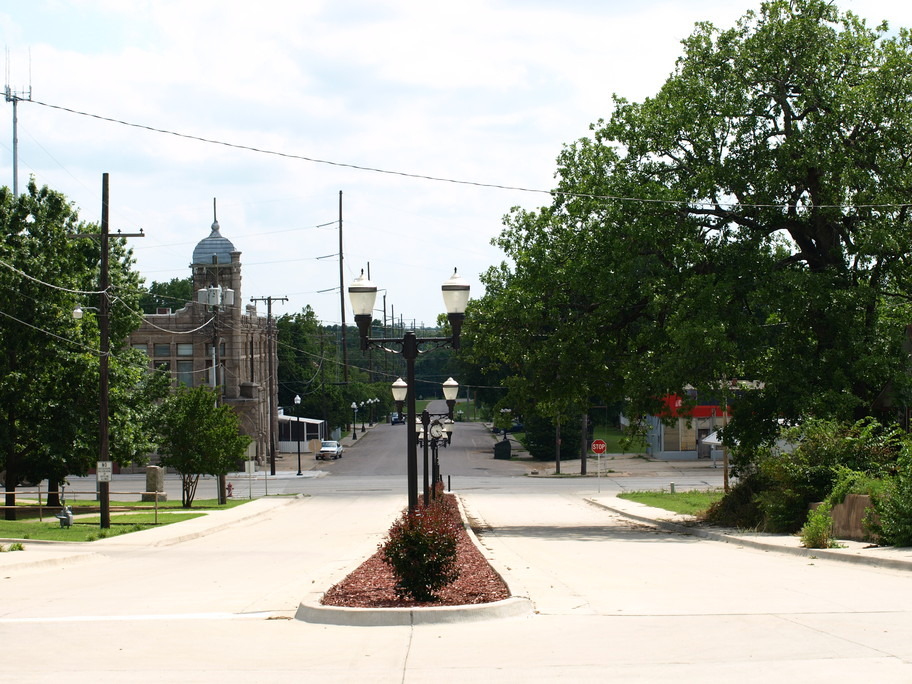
point(217, 331)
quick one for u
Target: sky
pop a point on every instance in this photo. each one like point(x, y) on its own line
point(306, 99)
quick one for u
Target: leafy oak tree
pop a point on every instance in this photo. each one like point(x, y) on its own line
point(749, 221)
point(48, 360)
point(197, 437)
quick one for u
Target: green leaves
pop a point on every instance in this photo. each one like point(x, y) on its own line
point(746, 222)
point(196, 436)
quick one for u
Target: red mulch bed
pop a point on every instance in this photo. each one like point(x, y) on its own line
point(373, 584)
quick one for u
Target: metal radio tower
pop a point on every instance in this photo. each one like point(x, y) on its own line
point(14, 96)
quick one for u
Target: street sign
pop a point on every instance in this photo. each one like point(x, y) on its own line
point(103, 471)
point(599, 446)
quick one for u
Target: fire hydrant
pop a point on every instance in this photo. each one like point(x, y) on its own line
point(230, 489)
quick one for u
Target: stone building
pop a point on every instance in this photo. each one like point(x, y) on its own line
point(217, 331)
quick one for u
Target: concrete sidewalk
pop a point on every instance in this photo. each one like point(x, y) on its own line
point(619, 592)
point(847, 551)
point(47, 554)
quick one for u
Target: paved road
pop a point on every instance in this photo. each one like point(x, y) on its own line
point(375, 462)
point(213, 600)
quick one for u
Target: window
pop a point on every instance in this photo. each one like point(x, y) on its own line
point(185, 348)
point(162, 349)
point(143, 347)
point(185, 373)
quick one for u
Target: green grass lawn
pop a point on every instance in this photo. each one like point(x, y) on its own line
point(612, 437)
point(688, 503)
point(86, 527)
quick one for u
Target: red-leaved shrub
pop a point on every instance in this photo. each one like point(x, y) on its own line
point(421, 549)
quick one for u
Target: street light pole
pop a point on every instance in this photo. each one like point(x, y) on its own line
point(354, 421)
point(362, 293)
point(297, 401)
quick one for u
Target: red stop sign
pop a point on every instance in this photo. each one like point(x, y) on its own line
point(599, 446)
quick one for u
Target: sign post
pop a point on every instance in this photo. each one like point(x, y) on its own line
point(598, 448)
point(250, 467)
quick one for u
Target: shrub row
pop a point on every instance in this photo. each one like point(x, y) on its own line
point(829, 461)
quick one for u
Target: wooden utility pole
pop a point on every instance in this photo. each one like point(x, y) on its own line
point(104, 333)
point(271, 347)
point(342, 298)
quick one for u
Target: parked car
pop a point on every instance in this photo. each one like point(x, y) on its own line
point(397, 419)
point(330, 449)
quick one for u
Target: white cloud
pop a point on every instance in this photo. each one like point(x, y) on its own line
point(483, 90)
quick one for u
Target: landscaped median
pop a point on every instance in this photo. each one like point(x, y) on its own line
point(368, 594)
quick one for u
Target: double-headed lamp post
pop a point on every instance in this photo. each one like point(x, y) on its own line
point(362, 293)
point(297, 401)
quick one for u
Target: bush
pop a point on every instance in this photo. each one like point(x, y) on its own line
point(817, 532)
point(829, 455)
point(894, 505)
point(541, 433)
point(739, 508)
point(421, 549)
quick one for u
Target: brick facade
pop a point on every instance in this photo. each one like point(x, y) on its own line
point(181, 341)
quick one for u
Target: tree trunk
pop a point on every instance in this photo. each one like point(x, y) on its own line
point(584, 444)
point(557, 447)
point(53, 497)
point(9, 513)
point(188, 489)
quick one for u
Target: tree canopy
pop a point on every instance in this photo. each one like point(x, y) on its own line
point(197, 437)
point(173, 294)
point(750, 221)
point(49, 361)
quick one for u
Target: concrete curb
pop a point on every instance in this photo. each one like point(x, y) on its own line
point(210, 523)
point(754, 543)
point(312, 611)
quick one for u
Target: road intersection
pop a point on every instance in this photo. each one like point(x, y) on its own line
point(615, 593)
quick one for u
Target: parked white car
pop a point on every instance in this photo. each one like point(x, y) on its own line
point(330, 449)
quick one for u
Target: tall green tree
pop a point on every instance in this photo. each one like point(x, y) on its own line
point(174, 294)
point(49, 401)
point(750, 220)
point(196, 437)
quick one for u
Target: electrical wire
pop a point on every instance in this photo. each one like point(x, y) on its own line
point(441, 179)
point(50, 285)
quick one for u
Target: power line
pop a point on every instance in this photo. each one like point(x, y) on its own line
point(455, 181)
